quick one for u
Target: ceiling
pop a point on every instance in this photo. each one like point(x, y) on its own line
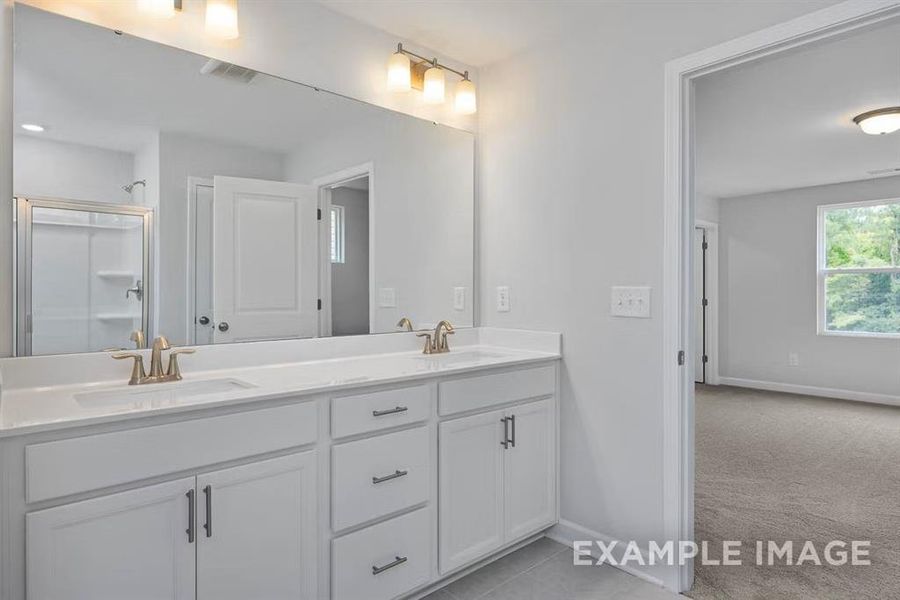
point(87, 85)
point(474, 32)
point(786, 121)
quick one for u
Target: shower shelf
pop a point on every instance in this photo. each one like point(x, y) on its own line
point(116, 274)
point(117, 317)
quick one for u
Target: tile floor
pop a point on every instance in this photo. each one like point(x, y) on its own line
point(543, 570)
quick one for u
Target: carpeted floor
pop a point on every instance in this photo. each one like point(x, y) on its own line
point(786, 467)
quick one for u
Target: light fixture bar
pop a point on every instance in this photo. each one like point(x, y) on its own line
point(431, 61)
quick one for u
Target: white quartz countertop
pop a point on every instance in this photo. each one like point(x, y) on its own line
point(40, 408)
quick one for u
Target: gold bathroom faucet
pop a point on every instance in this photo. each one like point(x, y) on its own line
point(436, 342)
point(140, 377)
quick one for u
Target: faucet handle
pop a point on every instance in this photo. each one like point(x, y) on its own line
point(173, 370)
point(429, 342)
point(137, 370)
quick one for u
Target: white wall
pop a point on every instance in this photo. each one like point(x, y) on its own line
point(586, 113)
point(53, 169)
point(6, 177)
point(350, 279)
point(767, 291)
point(706, 208)
point(181, 157)
point(422, 211)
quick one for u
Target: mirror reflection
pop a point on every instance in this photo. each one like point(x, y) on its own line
point(160, 192)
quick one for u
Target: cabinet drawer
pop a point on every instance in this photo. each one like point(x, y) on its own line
point(55, 469)
point(472, 393)
point(385, 560)
point(375, 477)
point(351, 415)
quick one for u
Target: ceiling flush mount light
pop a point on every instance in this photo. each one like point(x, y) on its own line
point(32, 127)
point(159, 8)
point(222, 19)
point(428, 75)
point(880, 121)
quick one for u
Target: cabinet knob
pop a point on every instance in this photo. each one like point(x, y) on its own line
point(223, 326)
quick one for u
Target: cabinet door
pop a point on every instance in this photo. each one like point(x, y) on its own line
point(471, 488)
point(256, 530)
point(530, 469)
point(131, 545)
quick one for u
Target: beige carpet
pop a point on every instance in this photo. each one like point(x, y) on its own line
point(786, 467)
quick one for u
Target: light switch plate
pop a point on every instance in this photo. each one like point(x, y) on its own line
point(631, 302)
point(502, 298)
point(459, 298)
point(387, 297)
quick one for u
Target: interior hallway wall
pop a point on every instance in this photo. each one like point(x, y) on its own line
point(571, 163)
point(350, 279)
point(767, 291)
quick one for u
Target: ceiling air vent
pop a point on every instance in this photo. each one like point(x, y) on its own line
point(890, 171)
point(228, 71)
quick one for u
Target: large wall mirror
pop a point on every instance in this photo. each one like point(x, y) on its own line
point(163, 192)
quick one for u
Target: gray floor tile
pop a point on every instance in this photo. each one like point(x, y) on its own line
point(482, 581)
point(441, 594)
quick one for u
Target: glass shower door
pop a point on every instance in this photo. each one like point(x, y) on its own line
point(83, 276)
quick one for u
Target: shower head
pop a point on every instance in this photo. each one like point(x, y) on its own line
point(130, 187)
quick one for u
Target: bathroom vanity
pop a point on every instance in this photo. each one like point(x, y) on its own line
point(345, 468)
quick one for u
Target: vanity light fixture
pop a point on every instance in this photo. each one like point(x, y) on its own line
point(429, 76)
point(32, 127)
point(879, 121)
point(222, 19)
point(159, 8)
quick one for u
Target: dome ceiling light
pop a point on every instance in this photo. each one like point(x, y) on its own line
point(879, 121)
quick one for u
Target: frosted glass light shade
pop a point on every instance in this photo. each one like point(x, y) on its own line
point(398, 74)
point(157, 8)
point(465, 97)
point(222, 19)
point(433, 91)
point(881, 121)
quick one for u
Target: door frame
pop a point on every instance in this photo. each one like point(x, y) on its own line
point(23, 249)
point(324, 186)
point(677, 285)
point(191, 255)
point(712, 296)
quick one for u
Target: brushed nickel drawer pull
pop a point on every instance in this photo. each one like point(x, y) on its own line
point(207, 491)
point(505, 442)
point(398, 560)
point(390, 411)
point(394, 475)
point(512, 440)
point(191, 518)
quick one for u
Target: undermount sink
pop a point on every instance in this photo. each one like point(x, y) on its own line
point(161, 392)
point(461, 357)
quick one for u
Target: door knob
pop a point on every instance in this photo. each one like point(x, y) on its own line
point(223, 326)
point(204, 320)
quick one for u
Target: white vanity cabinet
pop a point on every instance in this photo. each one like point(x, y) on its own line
point(243, 532)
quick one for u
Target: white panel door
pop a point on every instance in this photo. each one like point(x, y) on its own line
point(530, 469)
point(265, 273)
point(256, 532)
point(471, 488)
point(131, 545)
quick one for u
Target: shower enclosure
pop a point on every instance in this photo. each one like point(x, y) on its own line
point(83, 276)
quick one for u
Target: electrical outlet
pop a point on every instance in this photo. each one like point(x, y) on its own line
point(793, 359)
point(633, 302)
point(387, 297)
point(502, 298)
point(459, 298)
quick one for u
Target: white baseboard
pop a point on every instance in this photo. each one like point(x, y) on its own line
point(810, 390)
point(567, 532)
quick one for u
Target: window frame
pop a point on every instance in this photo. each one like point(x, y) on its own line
point(337, 224)
point(822, 272)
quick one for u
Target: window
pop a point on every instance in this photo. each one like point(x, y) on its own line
point(859, 269)
point(337, 233)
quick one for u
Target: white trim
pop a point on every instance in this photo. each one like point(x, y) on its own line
point(678, 408)
point(810, 390)
point(567, 532)
point(324, 185)
point(190, 272)
point(712, 295)
point(822, 271)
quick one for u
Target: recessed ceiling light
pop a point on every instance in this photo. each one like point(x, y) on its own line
point(879, 121)
point(32, 127)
